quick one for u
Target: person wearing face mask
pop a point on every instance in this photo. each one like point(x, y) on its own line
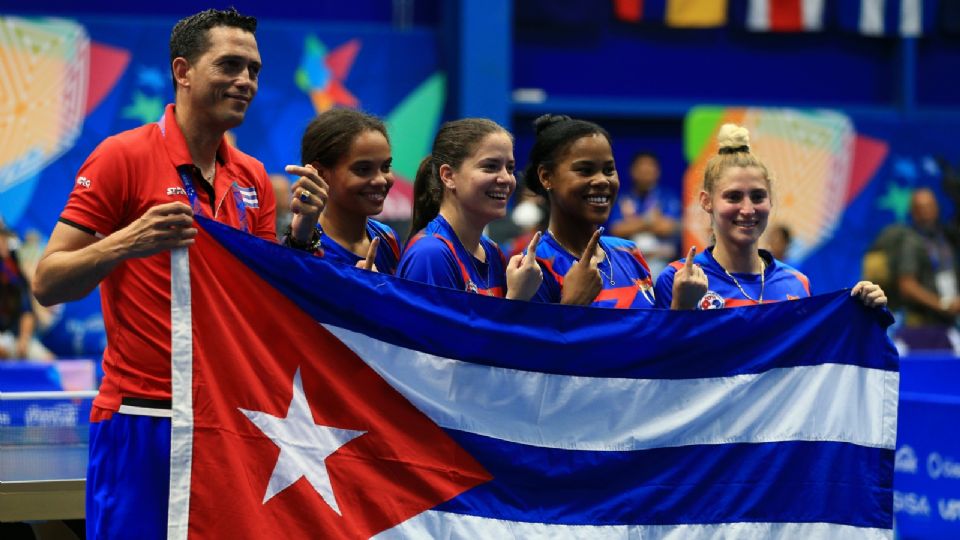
point(925, 269)
point(736, 194)
point(351, 151)
point(462, 186)
point(571, 164)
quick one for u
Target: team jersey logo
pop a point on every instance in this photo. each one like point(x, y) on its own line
point(83, 181)
point(171, 191)
point(471, 286)
point(711, 300)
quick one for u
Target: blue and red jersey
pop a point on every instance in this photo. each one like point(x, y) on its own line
point(780, 282)
point(388, 252)
point(626, 278)
point(436, 256)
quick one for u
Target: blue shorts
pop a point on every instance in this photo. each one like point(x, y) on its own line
point(128, 477)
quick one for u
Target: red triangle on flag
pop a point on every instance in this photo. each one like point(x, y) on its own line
point(245, 358)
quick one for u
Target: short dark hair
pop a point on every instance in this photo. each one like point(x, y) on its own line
point(328, 137)
point(189, 40)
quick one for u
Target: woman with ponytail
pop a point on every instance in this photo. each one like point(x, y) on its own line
point(463, 185)
point(571, 163)
point(736, 194)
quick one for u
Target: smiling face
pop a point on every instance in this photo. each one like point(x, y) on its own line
point(483, 183)
point(360, 181)
point(223, 81)
point(583, 183)
point(739, 206)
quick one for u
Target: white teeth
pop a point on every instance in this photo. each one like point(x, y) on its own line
point(497, 195)
point(598, 199)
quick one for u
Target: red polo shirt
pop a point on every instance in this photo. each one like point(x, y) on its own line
point(124, 177)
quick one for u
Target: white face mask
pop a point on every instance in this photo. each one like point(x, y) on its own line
point(527, 214)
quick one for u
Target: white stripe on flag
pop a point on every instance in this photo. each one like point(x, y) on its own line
point(812, 14)
point(871, 17)
point(827, 402)
point(433, 524)
point(758, 15)
point(911, 18)
point(181, 435)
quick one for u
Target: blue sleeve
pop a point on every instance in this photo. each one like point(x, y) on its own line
point(663, 290)
point(429, 261)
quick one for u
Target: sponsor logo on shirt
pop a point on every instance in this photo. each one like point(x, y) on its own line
point(83, 181)
point(176, 191)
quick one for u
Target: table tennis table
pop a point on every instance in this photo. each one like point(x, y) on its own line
point(42, 467)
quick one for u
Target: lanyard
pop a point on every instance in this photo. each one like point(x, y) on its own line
point(186, 176)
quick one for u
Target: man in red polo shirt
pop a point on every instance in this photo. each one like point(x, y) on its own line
point(133, 201)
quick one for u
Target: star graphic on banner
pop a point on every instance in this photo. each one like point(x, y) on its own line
point(896, 200)
point(144, 108)
point(304, 446)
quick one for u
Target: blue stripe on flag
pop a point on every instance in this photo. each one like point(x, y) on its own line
point(565, 339)
point(689, 484)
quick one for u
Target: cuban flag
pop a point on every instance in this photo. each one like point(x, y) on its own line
point(247, 195)
point(316, 400)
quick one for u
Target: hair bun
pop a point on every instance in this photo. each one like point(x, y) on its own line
point(733, 138)
point(545, 121)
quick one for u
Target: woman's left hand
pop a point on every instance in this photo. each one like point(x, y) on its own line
point(870, 294)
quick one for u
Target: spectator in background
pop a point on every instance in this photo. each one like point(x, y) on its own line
point(925, 269)
point(17, 320)
point(647, 214)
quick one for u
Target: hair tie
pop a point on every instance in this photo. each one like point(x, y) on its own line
point(734, 150)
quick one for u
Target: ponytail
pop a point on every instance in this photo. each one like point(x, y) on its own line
point(427, 193)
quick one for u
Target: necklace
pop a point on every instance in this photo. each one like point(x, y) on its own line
point(606, 256)
point(763, 268)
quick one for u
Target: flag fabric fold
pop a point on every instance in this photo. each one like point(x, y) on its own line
point(333, 402)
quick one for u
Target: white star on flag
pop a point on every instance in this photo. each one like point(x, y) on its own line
point(304, 446)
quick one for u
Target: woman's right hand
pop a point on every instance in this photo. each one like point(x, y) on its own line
point(689, 284)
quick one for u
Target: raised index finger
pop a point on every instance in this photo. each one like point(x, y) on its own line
point(531, 255)
point(688, 266)
point(371, 253)
point(591, 248)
